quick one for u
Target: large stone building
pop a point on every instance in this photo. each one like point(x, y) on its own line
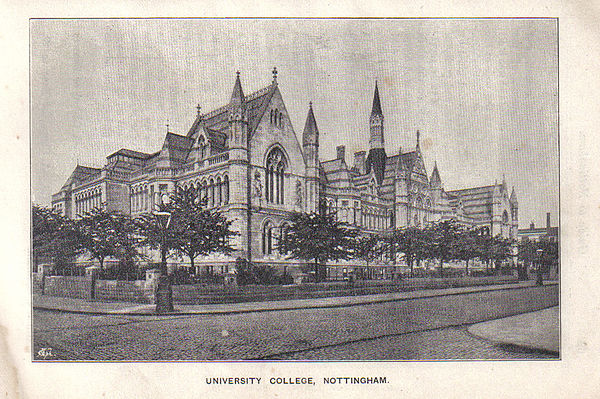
point(245, 157)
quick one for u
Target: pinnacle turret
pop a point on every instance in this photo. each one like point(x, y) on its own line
point(435, 179)
point(237, 96)
point(311, 132)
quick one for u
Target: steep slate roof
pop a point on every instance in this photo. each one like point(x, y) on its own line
point(476, 200)
point(131, 154)
point(178, 147)
point(80, 173)
point(218, 119)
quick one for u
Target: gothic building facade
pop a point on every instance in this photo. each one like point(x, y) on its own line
point(245, 158)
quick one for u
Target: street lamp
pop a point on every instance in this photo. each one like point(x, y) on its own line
point(539, 280)
point(164, 294)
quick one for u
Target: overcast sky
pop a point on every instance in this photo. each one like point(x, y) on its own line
point(483, 93)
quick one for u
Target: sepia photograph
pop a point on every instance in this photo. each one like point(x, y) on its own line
point(294, 189)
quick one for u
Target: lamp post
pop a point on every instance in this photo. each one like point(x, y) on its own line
point(163, 294)
point(539, 280)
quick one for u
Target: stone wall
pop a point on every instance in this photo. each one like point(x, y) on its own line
point(68, 286)
point(126, 291)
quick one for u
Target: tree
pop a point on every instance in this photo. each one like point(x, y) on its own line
point(318, 238)
point(443, 241)
point(54, 237)
point(191, 230)
point(104, 234)
point(196, 230)
point(369, 248)
point(466, 246)
point(412, 242)
point(500, 250)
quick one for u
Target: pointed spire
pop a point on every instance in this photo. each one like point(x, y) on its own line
point(311, 132)
point(167, 126)
point(274, 75)
point(237, 96)
point(418, 138)
point(198, 109)
point(435, 176)
point(513, 196)
point(503, 185)
point(376, 110)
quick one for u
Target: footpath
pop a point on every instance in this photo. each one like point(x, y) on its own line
point(539, 331)
point(45, 302)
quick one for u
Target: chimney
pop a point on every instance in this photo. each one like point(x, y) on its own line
point(547, 220)
point(341, 152)
point(360, 161)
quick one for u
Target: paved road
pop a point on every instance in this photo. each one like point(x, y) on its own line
point(428, 328)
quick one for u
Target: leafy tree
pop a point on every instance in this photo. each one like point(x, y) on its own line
point(369, 248)
point(413, 243)
point(443, 241)
point(54, 237)
point(196, 230)
point(192, 229)
point(466, 246)
point(318, 238)
point(500, 250)
point(108, 234)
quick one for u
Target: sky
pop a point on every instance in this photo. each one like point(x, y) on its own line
point(482, 92)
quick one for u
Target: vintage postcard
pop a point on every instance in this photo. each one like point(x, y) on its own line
point(328, 203)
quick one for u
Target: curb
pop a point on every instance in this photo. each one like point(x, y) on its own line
point(276, 309)
point(513, 347)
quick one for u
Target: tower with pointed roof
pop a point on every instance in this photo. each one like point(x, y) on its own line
point(239, 166)
point(377, 157)
point(310, 147)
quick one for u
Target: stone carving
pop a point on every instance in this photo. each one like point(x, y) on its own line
point(298, 193)
point(257, 186)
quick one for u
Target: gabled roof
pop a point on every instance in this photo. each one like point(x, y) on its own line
point(255, 105)
point(131, 154)
point(80, 173)
point(177, 147)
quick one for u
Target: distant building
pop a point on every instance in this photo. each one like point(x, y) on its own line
point(536, 233)
point(245, 158)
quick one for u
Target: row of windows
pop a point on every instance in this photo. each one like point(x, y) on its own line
point(140, 199)
point(86, 203)
point(276, 118)
point(216, 191)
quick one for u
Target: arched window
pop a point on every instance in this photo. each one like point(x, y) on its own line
point(275, 172)
point(267, 238)
point(226, 190)
point(219, 196)
point(505, 217)
point(280, 120)
point(211, 192)
point(271, 118)
point(275, 113)
point(204, 192)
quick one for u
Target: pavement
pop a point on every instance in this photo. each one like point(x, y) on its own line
point(534, 330)
point(425, 328)
point(73, 305)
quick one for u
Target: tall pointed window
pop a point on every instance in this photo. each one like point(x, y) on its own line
point(275, 173)
point(226, 190)
point(267, 238)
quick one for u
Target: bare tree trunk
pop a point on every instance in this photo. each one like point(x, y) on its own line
point(467, 268)
point(441, 267)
